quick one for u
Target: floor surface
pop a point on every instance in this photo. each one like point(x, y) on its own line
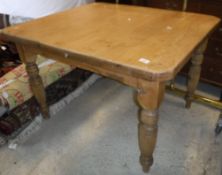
point(97, 135)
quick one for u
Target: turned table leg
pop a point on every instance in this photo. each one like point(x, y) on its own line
point(194, 73)
point(35, 81)
point(149, 98)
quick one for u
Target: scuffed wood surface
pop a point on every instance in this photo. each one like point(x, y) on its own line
point(121, 35)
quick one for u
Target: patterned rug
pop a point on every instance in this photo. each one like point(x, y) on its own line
point(18, 108)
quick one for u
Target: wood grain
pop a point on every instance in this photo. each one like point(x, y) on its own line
point(140, 47)
point(121, 35)
point(194, 73)
point(149, 98)
point(29, 56)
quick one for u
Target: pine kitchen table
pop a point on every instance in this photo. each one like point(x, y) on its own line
point(138, 46)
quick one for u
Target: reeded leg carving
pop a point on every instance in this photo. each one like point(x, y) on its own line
point(149, 99)
point(194, 73)
point(29, 58)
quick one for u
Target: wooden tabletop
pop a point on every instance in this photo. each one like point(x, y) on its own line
point(145, 40)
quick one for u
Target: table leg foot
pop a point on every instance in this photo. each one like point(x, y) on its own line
point(149, 100)
point(146, 163)
point(188, 102)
